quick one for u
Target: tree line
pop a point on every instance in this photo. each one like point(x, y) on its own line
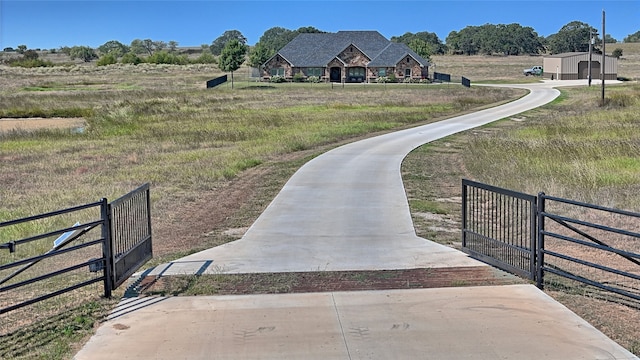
point(488, 39)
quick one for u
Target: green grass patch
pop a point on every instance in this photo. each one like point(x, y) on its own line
point(428, 206)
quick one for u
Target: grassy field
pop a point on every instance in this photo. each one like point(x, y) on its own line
point(572, 148)
point(215, 158)
point(509, 68)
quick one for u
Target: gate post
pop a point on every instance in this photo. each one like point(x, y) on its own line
point(540, 245)
point(107, 247)
point(533, 234)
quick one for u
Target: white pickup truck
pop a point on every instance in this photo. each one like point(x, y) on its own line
point(536, 70)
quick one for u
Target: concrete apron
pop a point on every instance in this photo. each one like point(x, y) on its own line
point(492, 322)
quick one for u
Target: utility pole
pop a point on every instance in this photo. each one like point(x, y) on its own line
point(604, 55)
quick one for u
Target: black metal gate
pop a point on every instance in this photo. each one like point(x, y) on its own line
point(130, 218)
point(499, 227)
point(557, 242)
point(107, 244)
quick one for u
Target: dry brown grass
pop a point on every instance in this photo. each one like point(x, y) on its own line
point(509, 68)
point(197, 213)
point(32, 124)
point(484, 67)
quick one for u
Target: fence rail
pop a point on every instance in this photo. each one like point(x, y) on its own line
point(595, 246)
point(113, 240)
point(552, 240)
point(14, 275)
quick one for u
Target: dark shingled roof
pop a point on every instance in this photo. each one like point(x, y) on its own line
point(317, 50)
point(394, 53)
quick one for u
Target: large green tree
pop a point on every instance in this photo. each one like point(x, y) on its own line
point(146, 46)
point(431, 39)
point(610, 39)
point(82, 52)
point(232, 57)
point(421, 48)
point(573, 37)
point(464, 41)
point(633, 38)
point(173, 46)
point(259, 55)
point(113, 47)
point(218, 44)
point(276, 38)
point(505, 39)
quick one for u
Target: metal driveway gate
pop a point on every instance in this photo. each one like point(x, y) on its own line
point(499, 227)
point(130, 218)
point(107, 244)
point(566, 244)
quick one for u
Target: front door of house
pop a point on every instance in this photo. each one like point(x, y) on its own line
point(335, 74)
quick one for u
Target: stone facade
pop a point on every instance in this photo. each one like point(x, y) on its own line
point(360, 56)
point(277, 62)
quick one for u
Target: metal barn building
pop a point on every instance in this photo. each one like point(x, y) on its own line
point(574, 66)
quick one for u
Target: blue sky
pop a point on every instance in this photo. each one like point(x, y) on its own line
point(51, 24)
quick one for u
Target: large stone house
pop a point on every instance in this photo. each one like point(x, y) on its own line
point(346, 56)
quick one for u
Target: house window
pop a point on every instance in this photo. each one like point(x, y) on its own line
point(314, 72)
point(382, 72)
point(277, 72)
point(407, 59)
point(356, 72)
point(407, 72)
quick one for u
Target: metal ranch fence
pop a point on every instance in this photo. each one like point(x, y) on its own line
point(217, 81)
point(556, 242)
point(107, 244)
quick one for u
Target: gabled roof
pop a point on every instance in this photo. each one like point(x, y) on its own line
point(394, 53)
point(567, 54)
point(317, 50)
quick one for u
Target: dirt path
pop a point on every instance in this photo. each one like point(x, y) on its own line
point(31, 124)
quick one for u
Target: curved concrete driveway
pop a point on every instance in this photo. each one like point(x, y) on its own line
point(347, 209)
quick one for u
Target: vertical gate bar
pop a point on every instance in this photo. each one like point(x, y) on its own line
point(464, 214)
point(486, 219)
point(492, 222)
point(500, 226)
point(523, 229)
point(532, 236)
point(126, 225)
point(107, 248)
point(539, 263)
point(148, 211)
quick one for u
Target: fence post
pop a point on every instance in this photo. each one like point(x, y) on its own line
point(540, 245)
point(107, 247)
